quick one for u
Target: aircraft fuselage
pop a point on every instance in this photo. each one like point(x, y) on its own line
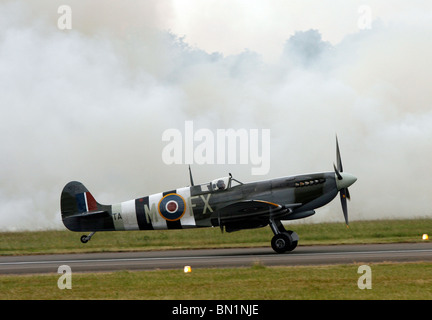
point(198, 206)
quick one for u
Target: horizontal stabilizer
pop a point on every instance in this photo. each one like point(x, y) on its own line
point(88, 214)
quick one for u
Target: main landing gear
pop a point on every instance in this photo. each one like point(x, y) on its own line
point(283, 240)
point(85, 239)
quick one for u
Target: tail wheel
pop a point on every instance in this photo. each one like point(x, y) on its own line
point(85, 239)
point(282, 242)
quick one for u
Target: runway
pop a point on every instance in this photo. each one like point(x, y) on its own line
point(217, 258)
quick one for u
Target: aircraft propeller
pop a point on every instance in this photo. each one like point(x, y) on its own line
point(344, 180)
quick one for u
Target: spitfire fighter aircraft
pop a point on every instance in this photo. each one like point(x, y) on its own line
point(225, 203)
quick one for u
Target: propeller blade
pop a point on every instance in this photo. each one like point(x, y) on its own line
point(343, 192)
point(343, 198)
point(348, 194)
point(337, 172)
point(338, 157)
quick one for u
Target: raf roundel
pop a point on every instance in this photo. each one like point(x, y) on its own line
point(172, 207)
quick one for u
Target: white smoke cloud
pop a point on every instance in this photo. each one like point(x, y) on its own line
point(91, 103)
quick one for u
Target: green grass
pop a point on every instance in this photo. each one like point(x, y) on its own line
point(389, 281)
point(379, 231)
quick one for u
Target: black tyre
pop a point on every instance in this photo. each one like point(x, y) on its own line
point(281, 242)
point(84, 239)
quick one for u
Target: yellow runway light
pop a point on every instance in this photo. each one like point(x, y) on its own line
point(425, 236)
point(187, 269)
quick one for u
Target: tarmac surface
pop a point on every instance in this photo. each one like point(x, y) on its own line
point(217, 258)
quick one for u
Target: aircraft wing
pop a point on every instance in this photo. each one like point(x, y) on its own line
point(250, 214)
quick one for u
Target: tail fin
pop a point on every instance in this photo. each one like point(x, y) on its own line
point(81, 212)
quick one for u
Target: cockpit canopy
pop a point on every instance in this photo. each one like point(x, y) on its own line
point(220, 184)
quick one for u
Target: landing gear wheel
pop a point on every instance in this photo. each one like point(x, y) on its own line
point(84, 239)
point(282, 242)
